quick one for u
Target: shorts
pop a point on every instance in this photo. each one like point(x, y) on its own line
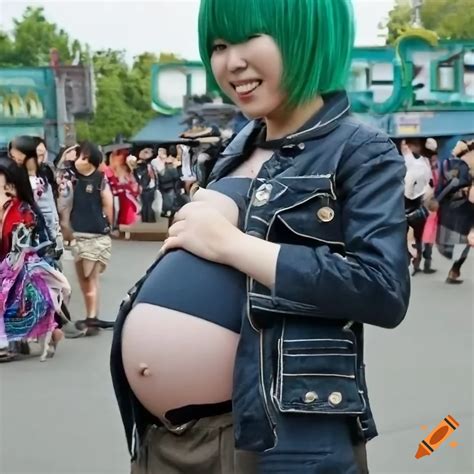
point(206, 447)
point(93, 247)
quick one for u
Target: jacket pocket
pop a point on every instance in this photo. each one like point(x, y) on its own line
point(316, 222)
point(307, 212)
point(318, 376)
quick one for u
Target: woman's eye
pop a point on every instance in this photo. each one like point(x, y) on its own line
point(218, 47)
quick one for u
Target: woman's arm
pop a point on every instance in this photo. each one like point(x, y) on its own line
point(108, 203)
point(371, 284)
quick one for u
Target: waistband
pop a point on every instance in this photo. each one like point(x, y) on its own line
point(175, 419)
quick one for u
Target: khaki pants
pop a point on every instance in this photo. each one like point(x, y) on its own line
point(207, 447)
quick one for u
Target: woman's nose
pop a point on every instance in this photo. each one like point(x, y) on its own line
point(235, 59)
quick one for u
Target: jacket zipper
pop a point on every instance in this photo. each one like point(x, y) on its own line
point(268, 415)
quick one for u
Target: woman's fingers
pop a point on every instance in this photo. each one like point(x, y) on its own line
point(176, 228)
point(170, 243)
point(187, 210)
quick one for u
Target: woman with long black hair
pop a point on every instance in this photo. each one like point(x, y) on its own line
point(24, 151)
point(31, 291)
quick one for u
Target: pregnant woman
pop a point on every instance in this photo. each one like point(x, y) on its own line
point(266, 306)
point(194, 308)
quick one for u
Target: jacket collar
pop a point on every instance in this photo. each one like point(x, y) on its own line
point(336, 107)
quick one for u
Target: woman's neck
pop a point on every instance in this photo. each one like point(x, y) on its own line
point(284, 122)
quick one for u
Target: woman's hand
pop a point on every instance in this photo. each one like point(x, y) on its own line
point(70, 154)
point(205, 232)
point(218, 201)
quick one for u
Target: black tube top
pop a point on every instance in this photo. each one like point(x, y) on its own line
point(189, 284)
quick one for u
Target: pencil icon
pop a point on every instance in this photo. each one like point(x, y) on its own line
point(437, 437)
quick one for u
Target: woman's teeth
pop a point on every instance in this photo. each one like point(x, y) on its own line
point(246, 88)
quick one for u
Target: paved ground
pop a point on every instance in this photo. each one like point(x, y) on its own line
point(60, 417)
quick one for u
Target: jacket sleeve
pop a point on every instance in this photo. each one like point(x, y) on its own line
point(371, 283)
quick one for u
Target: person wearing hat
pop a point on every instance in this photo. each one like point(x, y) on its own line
point(123, 184)
point(140, 162)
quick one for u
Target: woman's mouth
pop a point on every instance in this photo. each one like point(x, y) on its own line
point(245, 89)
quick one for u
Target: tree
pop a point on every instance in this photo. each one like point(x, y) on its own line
point(123, 97)
point(32, 39)
point(123, 93)
point(169, 58)
point(6, 50)
point(450, 19)
point(398, 20)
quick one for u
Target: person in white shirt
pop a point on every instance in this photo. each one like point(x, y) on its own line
point(417, 183)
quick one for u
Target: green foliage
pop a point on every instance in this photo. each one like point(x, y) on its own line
point(33, 38)
point(123, 93)
point(7, 53)
point(169, 58)
point(450, 19)
point(399, 20)
point(123, 97)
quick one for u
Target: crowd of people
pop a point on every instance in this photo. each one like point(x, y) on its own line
point(439, 202)
point(84, 196)
point(301, 234)
point(77, 201)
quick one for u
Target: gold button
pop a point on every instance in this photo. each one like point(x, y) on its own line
point(262, 196)
point(335, 398)
point(310, 397)
point(325, 214)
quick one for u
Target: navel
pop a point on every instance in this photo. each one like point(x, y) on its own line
point(144, 370)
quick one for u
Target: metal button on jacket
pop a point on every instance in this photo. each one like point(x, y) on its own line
point(325, 214)
point(262, 196)
point(335, 398)
point(310, 397)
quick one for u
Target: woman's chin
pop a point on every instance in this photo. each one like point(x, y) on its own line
point(252, 112)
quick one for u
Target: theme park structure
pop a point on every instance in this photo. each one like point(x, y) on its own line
point(45, 101)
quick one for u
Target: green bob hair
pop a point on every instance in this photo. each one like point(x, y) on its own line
point(315, 38)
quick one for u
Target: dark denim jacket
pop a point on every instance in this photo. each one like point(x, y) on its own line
point(333, 196)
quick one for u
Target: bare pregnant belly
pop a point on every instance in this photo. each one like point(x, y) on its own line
point(173, 359)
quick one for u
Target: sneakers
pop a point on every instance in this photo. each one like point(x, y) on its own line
point(85, 327)
point(71, 331)
point(91, 326)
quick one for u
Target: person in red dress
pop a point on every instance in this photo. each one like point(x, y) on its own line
point(124, 187)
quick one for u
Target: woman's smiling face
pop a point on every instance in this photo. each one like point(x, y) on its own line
point(250, 74)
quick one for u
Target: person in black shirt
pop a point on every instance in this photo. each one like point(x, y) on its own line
point(91, 215)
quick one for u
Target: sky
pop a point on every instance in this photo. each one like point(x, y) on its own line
point(154, 25)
